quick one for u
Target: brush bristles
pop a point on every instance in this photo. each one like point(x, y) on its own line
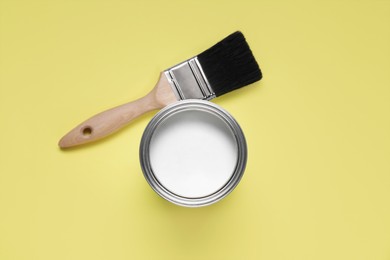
point(229, 64)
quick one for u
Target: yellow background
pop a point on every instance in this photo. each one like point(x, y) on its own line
point(317, 184)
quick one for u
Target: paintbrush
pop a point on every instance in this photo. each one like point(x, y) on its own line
point(226, 66)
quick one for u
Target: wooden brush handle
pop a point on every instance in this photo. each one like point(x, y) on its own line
point(111, 120)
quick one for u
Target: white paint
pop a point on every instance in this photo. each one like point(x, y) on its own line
point(193, 153)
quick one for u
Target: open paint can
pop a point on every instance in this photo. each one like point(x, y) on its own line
point(193, 153)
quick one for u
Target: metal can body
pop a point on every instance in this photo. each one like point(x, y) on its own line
point(215, 114)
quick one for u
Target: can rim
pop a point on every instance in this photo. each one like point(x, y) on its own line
point(189, 105)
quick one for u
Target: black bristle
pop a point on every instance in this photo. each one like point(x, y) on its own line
point(230, 64)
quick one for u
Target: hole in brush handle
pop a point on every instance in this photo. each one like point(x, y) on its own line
point(87, 131)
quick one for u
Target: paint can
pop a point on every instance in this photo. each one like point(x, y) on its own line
point(193, 153)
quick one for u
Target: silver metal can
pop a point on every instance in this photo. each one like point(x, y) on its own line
point(193, 153)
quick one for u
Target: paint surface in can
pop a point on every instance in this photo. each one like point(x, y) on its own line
point(193, 153)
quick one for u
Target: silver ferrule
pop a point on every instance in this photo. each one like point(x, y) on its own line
point(188, 81)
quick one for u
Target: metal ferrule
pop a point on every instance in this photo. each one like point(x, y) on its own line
point(188, 81)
